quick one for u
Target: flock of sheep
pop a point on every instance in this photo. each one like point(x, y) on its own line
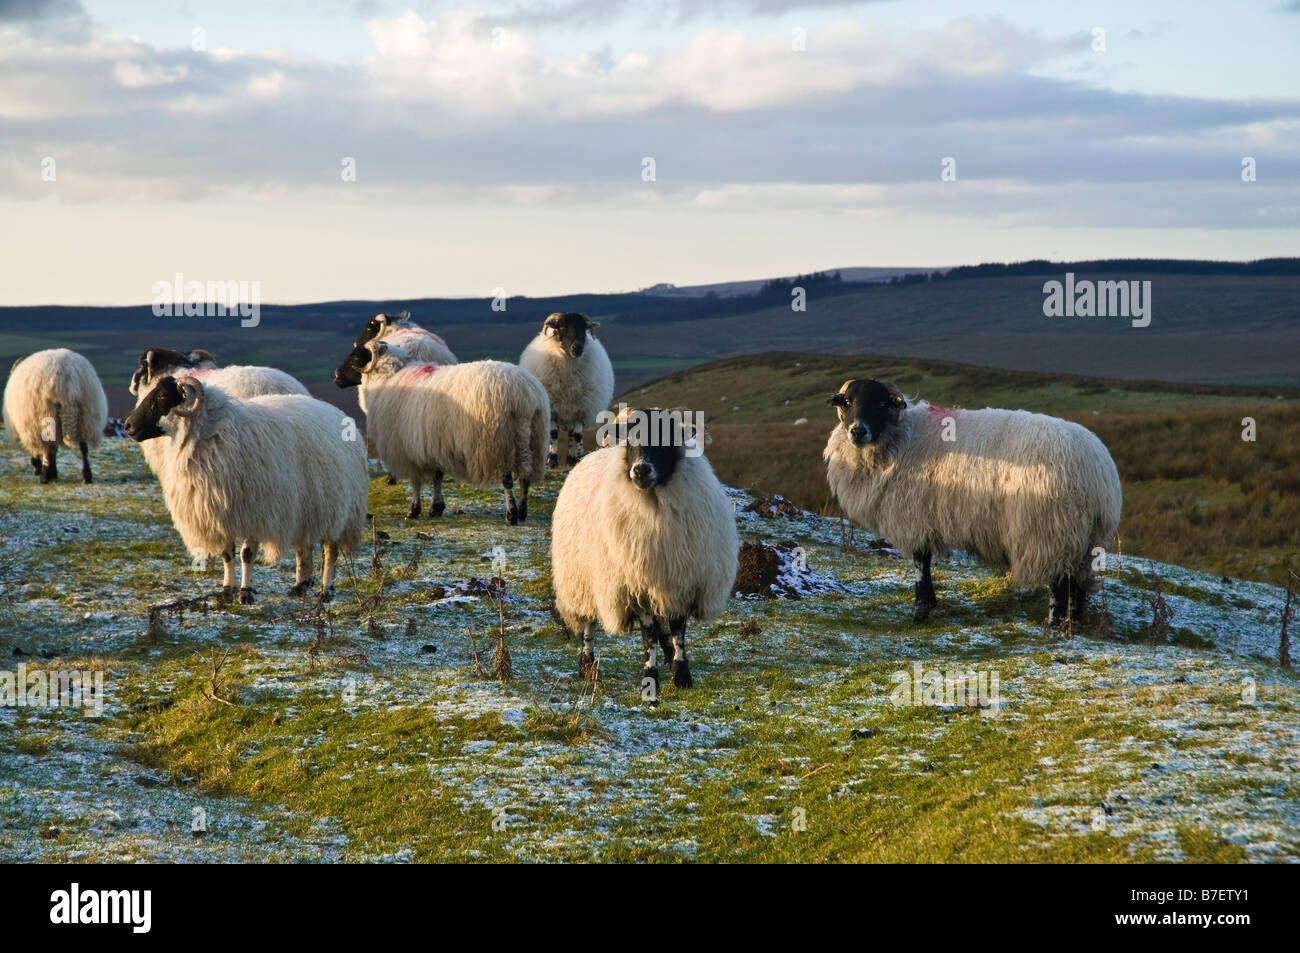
point(643, 534)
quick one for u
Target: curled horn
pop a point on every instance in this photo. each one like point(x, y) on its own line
point(198, 356)
point(192, 394)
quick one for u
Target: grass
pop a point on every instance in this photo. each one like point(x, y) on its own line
point(365, 732)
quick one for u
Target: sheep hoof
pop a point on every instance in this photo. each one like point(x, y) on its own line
point(392, 480)
point(438, 508)
point(413, 512)
point(587, 668)
point(922, 611)
point(512, 517)
point(552, 460)
point(85, 477)
point(226, 593)
point(650, 684)
point(523, 512)
point(300, 588)
point(682, 675)
point(245, 596)
point(327, 595)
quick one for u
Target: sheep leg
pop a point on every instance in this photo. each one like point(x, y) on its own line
point(587, 660)
point(553, 449)
point(50, 465)
point(36, 466)
point(303, 574)
point(1058, 610)
point(414, 511)
point(439, 504)
point(574, 453)
point(85, 463)
point(228, 579)
point(246, 557)
point(1078, 600)
point(924, 587)
point(650, 668)
point(681, 669)
point(523, 502)
point(512, 508)
point(392, 480)
point(327, 571)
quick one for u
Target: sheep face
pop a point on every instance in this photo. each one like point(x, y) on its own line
point(353, 366)
point(654, 443)
point(160, 361)
point(378, 324)
point(170, 396)
point(569, 331)
point(867, 409)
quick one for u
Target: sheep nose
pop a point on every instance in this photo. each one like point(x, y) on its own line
point(858, 432)
point(641, 470)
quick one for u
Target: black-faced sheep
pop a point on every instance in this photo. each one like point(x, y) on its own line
point(484, 422)
point(643, 534)
point(237, 380)
point(575, 370)
point(281, 471)
point(1023, 492)
point(55, 397)
point(398, 329)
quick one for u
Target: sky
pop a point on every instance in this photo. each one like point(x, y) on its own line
point(509, 144)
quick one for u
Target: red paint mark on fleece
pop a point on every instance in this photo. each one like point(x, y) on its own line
point(950, 411)
point(421, 370)
point(201, 373)
point(595, 488)
point(422, 332)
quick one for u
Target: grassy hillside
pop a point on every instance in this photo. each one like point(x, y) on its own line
point(1216, 328)
point(366, 731)
point(1195, 493)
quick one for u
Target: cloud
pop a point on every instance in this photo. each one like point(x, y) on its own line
point(445, 111)
point(16, 11)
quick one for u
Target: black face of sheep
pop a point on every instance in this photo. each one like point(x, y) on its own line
point(375, 326)
point(569, 330)
point(349, 372)
point(142, 423)
point(654, 442)
point(867, 409)
point(160, 361)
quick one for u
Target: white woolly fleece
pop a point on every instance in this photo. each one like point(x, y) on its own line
point(579, 388)
point(276, 470)
point(56, 385)
point(618, 552)
point(1020, 491)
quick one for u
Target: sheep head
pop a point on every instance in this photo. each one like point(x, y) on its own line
point(181, 397)
point(655, 441)
point(380, 324)
point(867, 409)
point(158, 362)
point(568, 331)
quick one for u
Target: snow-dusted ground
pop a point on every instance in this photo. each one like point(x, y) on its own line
point(81, 565)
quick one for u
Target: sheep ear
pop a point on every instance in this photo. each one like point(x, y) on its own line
point(591, 327)
point(402, 315)
point(838, 400)
point(198, 356)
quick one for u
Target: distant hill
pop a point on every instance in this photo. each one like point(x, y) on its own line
point(1218, 322)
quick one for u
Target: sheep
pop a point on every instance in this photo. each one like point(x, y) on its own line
point(55, 397)
point(237, 380)
point(284, 471)
point(483, 422)
point(399, 329)
point(420, 344)
point(1023, 492)
point(643, 534)
point(575, 370)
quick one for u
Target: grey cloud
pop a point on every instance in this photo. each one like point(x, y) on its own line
point(29, 10)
